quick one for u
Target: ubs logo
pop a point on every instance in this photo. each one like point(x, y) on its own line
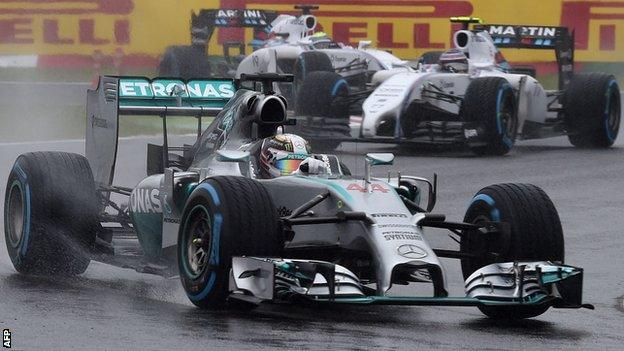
point(145, 201)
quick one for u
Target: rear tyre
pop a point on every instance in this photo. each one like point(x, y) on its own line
point(323, 94)
point(536, 235)
point(184, 62)
point(491, 102)
point(224, 217)
point(592, 110)
point(50, 213)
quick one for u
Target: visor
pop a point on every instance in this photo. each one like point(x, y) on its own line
point(289, 163)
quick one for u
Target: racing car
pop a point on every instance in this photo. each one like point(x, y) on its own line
point(308, 238)
point(296, 46)
point(192, 61)
point(487, 106)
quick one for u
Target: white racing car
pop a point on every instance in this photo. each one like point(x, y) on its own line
point(470, 95)
point(296, 47)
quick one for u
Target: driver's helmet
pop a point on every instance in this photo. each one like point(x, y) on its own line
point(454, 61)
point(282, 154)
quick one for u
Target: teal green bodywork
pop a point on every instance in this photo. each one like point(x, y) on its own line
point(148, 227)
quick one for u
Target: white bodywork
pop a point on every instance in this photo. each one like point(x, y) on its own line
point(290, 36)
point(396, 91)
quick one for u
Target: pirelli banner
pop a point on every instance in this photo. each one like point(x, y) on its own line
point(74, 32)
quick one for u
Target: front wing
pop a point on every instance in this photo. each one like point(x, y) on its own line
point(257, 280)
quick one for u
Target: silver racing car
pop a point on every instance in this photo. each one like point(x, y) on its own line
point(317, 236)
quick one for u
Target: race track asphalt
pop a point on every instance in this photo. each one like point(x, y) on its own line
point(110, 308)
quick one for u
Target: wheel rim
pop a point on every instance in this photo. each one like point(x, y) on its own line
point(506, 119)
point(198, 232)
point(15, 214)
point(612, 121)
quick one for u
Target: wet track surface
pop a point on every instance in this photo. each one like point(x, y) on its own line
point(112, 308)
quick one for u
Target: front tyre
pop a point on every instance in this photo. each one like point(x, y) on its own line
point(490, 102)
point(535, 235)
point(224, 217)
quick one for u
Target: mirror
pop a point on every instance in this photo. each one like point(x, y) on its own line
point(380, 159)
point(376, 160)
point(421, 191)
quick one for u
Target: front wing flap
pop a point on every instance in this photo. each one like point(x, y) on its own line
point(502, 284)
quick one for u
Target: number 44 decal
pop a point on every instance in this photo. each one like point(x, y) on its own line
point(373, 187)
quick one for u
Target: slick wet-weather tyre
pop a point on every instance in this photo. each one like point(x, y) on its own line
point(535, 235)
point(592, 110)
point(224, 217)
point(50, 213)
point(490, 104)
point(323, 94)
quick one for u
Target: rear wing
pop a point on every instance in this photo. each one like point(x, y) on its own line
point(139, 96)
point(238, 18)
point(559, 39)
point(204, 23)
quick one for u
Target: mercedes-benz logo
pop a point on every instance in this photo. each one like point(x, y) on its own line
point(411, 251)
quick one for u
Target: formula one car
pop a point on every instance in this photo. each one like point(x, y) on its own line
point(484, 104)
point(326, 238)
point(192, 61)
point(295, 46)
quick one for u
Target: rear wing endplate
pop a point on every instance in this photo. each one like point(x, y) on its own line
point(559, 39)
point(139, 96)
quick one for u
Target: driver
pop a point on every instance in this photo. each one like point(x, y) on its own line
point(286, 154)
point(454, 61)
